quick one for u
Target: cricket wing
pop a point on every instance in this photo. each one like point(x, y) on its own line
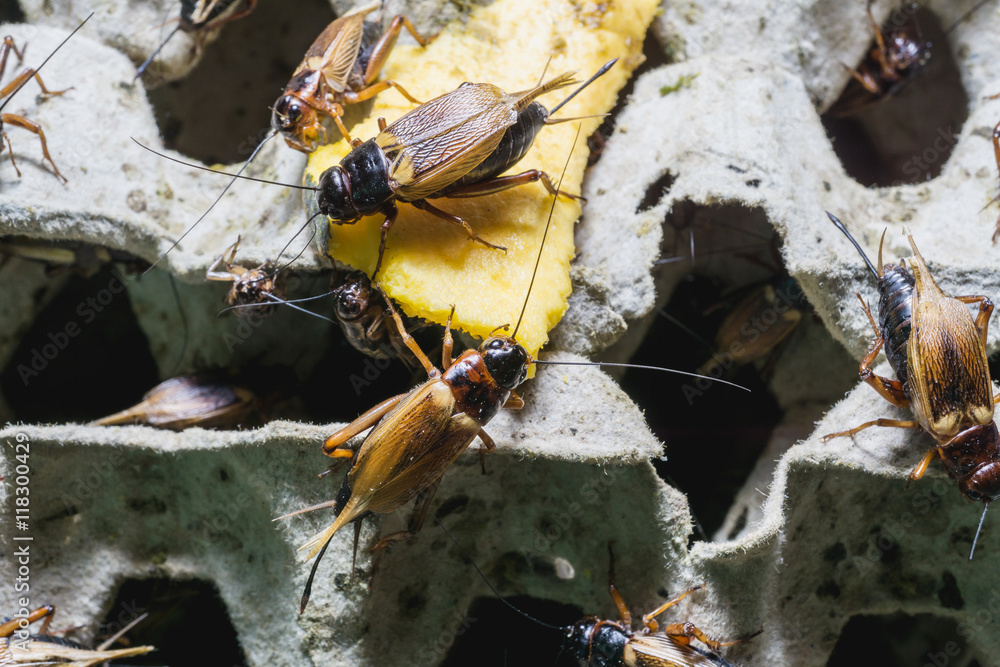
point(397, 459)
point(186, 401)
point(398, 442)
point(458, 434)
point(51, 653)
point(440, 141)
point(335, 50)
point(662, 651)
point(947, 368)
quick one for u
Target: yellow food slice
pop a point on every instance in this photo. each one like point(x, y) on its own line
point(430, 264)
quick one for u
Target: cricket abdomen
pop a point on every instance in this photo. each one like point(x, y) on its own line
point(895, 313)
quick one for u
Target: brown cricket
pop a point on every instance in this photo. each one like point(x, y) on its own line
point(415, 437)
point(187, 401)
point(947, 377)
point(341, 67)
point(899, 54)
point(200, 18)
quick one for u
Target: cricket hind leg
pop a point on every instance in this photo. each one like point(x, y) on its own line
point(413, 527)
point(34, 128)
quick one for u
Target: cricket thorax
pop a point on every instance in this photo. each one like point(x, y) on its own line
point(476, 392)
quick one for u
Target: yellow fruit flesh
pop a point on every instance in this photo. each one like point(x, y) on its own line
point(430, 264)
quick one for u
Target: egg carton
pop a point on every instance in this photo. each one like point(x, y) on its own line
point(821, 532)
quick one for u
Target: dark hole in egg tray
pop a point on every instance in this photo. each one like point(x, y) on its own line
point(906, 137)
point(491, 633)
point(10, 12)
point(84, 356)
point(187, 623)
point(901, 639)
point(220, 111)
point(713, 433)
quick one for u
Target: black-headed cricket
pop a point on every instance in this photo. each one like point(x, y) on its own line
point(938, 353)
point(340, 67)
point(594, 641)
point(363, 317)
point(455, 145)
point(599, 642)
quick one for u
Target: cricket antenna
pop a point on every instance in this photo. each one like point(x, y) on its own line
point(237, 175)
point(292, 305)
point(850, 238)
point(106, 644)
point(648, 368)
point(495, 592)
point(47, 59)
point(986, 506)
point(142, 68)
point(586, 83)
point(220, 172)
point(548, 223)
point(308, 243)
point(534, 273)
point(961, 19)
point(286, 302)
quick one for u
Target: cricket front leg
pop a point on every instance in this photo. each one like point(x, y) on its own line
point(685, 633)
point(408, 340)
point(648, 619)
point(236, 16)
point(488, 447)
point(921, 468)
point(6, 48)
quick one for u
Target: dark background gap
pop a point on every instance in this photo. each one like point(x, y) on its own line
point(908, 137)
point(188, 623)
